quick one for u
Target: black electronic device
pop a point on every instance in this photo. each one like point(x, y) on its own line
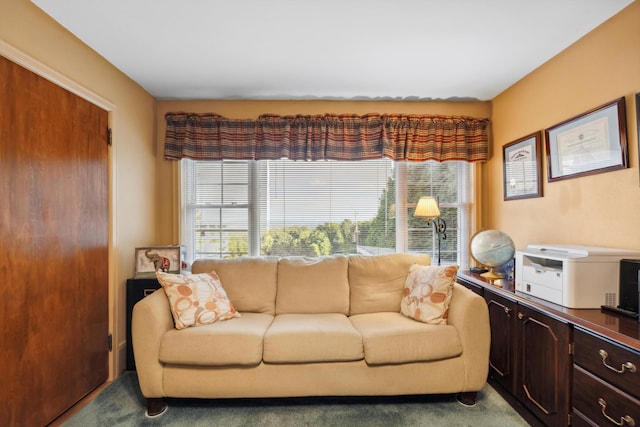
point(629, 290)
point(619, 310)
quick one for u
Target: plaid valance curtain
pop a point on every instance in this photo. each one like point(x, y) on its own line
point(326, 137)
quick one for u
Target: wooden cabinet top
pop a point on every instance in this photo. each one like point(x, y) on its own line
point(624, 330)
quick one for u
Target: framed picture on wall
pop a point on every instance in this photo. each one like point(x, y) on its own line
point(522, 168)
point(593, 142)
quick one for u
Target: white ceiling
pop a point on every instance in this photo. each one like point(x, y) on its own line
point(329, 49)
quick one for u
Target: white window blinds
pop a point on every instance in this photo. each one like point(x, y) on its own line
point(312, 208)
point(284, 207)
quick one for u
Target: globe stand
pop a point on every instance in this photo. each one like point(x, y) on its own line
point(492, 275)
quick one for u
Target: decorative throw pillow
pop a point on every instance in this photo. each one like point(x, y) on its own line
point(196, 299)
point(427, 293)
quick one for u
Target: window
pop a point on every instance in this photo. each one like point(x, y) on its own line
point(282, 207)
point(216, 210)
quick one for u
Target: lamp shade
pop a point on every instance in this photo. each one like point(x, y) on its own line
point(427, 207)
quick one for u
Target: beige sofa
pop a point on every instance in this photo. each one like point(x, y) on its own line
point(312, 327)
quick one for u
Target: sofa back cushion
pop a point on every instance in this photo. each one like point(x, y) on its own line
point(377, 282)
point(250, 282)
point(313, 285)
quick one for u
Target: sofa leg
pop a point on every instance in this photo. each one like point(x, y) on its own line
point(156, 406)
point(467, 398)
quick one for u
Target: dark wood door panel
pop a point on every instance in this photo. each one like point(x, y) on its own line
point(544, 368)
point(502, 318)
point(53, 256)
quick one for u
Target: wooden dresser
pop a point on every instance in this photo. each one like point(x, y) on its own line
point(606, 381)
point(566, 366)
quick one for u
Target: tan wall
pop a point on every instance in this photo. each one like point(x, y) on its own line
point(597, 210)
point(168, 172)
point(45, 47)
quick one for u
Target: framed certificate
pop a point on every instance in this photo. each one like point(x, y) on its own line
point(522, 168)
point(593, 142)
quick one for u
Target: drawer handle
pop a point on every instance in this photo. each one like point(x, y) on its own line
point(626, 419)
point(625, 366)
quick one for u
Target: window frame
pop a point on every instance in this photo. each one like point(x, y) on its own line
point(464, 205)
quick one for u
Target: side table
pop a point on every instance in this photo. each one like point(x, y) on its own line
point(137, 288)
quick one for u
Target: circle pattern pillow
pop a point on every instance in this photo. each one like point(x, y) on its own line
point(427, 293)
point(196, 299)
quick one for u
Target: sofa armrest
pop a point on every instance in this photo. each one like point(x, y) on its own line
point(150, 320)
point(468, 312)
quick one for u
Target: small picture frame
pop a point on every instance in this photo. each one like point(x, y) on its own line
point(591, 143)
point(159, 258)
point(522, 168)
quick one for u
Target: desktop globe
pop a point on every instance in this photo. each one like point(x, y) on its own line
point(491, 249)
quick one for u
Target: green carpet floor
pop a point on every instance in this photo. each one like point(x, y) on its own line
point(122, 404)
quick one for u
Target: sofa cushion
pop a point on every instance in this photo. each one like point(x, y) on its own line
point(313, 285)
point(196, 299)
point(390, 338)
point(376, 282)
point(303, 338)
point(427, 293)
point(250, 282)
point(234, 342)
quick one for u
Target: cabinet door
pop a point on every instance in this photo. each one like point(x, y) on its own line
point(543, 366)
point(502, 316)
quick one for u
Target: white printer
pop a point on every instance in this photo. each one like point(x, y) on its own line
point(571, 276)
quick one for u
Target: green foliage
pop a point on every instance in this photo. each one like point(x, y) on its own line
point(238, 246)
point(334, 233)
point(296, 241)
point(349, 232)
point(382, 230)
point(341, 236)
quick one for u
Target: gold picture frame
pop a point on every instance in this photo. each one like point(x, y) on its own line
point(150, 259)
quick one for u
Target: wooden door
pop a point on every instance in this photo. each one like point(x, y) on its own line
point(544, 366)
point(53, 248)
point(502, 357)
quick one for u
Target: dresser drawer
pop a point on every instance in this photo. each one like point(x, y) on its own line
point(580, 420)
point(615, 364)
point(601, 403)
